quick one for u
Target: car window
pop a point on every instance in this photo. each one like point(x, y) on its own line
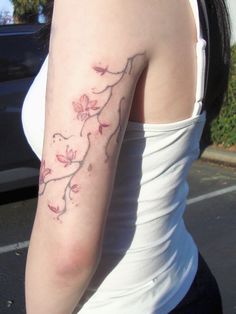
point(22, 51)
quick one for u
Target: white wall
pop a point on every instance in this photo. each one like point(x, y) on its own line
point(232, 11)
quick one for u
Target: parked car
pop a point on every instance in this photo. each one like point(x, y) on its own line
point(21, 56)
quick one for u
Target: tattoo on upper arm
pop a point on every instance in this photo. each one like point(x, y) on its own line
point(86, 108)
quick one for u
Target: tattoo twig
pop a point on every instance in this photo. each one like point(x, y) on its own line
point(127, 68)
point(117, 130)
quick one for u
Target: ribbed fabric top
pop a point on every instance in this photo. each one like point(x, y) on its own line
point(149, 257)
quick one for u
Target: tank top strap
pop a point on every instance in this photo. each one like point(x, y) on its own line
point(194, 6)
point(201, 60)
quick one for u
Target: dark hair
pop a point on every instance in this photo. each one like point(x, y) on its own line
point(219, 65)
point(220, 56)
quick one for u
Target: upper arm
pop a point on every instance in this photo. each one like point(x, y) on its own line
point(95, 60)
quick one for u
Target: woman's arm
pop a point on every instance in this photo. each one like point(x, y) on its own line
point(97, 54)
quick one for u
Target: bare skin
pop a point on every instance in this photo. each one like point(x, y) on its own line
point(112, 62)
point(165, 92)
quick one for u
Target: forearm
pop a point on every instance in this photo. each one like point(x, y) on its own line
point(49, 288)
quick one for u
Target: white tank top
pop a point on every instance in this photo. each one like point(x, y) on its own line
point(156, 257)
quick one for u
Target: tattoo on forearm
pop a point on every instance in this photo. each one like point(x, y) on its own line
point(86, 108)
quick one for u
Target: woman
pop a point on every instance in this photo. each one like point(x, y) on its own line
point(124, 113)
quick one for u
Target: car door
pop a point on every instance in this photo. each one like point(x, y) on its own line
point(21, 55)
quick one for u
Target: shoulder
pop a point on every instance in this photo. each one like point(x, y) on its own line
point(114, 26)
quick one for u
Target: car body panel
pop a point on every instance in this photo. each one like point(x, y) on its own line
point(21, 56)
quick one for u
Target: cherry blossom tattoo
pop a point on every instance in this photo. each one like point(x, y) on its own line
point(43, 172)
point(68, 158)
point(90, 105)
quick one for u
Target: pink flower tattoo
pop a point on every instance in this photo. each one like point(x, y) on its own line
point(100, 70)
point(83, 107)
point(43, 172)
point(55, 209)
point(75, 188)
point(101, 126)
point(68, 158)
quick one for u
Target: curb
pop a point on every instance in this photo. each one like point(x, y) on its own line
point(218, 155)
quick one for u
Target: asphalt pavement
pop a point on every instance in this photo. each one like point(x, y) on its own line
point(210, 217)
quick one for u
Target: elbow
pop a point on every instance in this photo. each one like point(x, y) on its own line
point(75, 261)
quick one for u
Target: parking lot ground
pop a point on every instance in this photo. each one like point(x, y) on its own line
point(210, 217)
point(212, 223)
